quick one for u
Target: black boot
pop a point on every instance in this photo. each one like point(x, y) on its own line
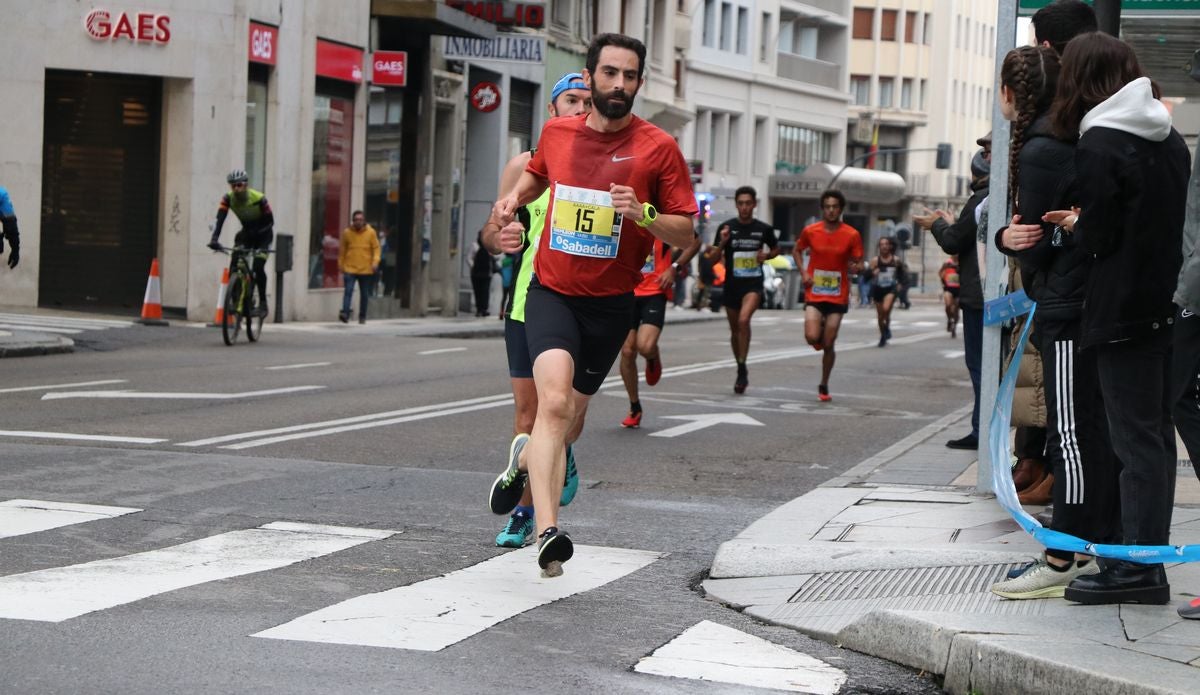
point(1122, 582)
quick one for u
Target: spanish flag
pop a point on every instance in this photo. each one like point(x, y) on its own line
point(874, 147)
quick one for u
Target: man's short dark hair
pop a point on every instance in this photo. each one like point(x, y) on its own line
point(1061, 21)
point(836, 195)
point(745, 190)
point(356, 213)
point(620, 41)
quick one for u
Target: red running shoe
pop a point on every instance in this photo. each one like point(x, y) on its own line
point(823, 393)
point(653, 371)
point(633, 420)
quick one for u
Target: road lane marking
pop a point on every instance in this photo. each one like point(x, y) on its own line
point(60, 593)
point(708, 651)
point(699, 422)
point(300, 366)
point(19, 517)
point(179, 395)
point(436, 613)
point(499, 399)
point(442, 351)
point(79, 437)
point(45, 387)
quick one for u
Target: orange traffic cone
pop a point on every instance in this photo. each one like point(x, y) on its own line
point(152, 304)
point(219, 316)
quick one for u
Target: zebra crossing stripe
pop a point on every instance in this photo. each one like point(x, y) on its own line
point(709, 651)
point(436, 613)
point(60, 593)
point(19, 517)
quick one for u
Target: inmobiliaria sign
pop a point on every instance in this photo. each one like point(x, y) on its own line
point(136, 27)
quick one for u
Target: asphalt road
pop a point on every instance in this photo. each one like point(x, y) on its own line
point(357, 427)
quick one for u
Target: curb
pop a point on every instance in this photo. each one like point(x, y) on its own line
point(35, 345)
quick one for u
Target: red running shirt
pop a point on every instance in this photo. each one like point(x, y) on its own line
point(829, 256)
point(586, 249)
point(656, 264)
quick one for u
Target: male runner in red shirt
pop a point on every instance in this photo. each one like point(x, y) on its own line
point(834, 251)
point(609, 174)
point(649, 313)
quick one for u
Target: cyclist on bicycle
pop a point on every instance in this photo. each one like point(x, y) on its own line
point(258, 223)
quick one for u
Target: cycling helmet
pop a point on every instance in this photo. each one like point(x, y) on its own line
point(237, 176)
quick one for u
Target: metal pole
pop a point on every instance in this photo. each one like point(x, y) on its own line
point(1108, 16)
point(995, 280)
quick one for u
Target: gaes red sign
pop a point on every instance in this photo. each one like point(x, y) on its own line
point(339, 61)
point(485, 96)
point(140, 27)
point(263, 39)
point(389, 68)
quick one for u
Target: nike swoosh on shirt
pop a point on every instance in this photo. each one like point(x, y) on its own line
point(1186, 314)
point(615, 158)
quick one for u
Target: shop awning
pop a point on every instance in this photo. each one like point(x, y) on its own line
point(859, 185)
point(433, 17)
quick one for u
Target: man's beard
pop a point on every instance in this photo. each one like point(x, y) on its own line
point(613, 110)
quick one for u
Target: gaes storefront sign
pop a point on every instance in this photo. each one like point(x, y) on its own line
point(389, 68)
point(263, 39)
point(138, 27)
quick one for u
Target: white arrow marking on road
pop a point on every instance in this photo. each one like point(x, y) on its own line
point(56, 594)
point(708, 651)
point(19, 517)
point(176, 395)
point(951, 354)
point(46, 387)
point(434, 614)
point(699, 422)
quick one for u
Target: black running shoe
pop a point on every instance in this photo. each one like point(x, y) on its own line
point(554, 548)
point(509, 485)
point(743, 379)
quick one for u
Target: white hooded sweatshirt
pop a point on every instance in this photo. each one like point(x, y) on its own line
point(1133, 110)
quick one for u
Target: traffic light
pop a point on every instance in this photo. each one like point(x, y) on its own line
point(944, 153)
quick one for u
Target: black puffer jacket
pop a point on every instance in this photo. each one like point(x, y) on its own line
point(960, 238)
point(1053, 275)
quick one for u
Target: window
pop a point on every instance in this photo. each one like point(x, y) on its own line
point(764, 39)
point(760, 147)
point(958, 30)
point(743, 30)
point(864, 20)
point(807, 40)
point(910, 27)
point(733, 144)
point(726, 26)
point(906, 93)
point(256, 125)
point(924, 94)
point(860, 89)
point(560, 13)
point(332, 164)
point(708, 22)
point(887, 86)
point(954, 97)
point(800, 147)
point(887, 27)
point(927, 30)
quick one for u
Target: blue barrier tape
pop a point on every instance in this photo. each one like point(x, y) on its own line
point(1006, 493)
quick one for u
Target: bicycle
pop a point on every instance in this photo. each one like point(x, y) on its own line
point(241, 298)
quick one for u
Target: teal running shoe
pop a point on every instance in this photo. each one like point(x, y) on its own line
point(571, 482)
point(517, 533)
point(509, 485)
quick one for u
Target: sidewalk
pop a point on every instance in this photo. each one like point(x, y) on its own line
point(895, 559)
point(27, 341)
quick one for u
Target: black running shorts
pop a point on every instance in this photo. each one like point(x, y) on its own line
point(650, 310)
point(519, 366)
point(878, 293)
point(591, 329)
point(734, 292)
point(827, 308)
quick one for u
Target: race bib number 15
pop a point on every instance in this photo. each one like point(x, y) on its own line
point(584, 223)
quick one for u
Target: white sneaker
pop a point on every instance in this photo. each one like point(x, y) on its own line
point(1043, 581)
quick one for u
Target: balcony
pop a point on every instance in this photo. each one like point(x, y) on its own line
point(837, 7)
point(808, 70)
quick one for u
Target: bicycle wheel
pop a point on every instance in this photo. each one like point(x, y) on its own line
point(231, 321)
point(254, 322)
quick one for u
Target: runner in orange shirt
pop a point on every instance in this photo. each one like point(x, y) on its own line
point(834, 251)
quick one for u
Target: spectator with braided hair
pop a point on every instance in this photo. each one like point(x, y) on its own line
point(1054, 271)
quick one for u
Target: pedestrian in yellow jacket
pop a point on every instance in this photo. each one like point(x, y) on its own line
point(358, 259)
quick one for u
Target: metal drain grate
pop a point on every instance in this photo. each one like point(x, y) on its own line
point(898, 583)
